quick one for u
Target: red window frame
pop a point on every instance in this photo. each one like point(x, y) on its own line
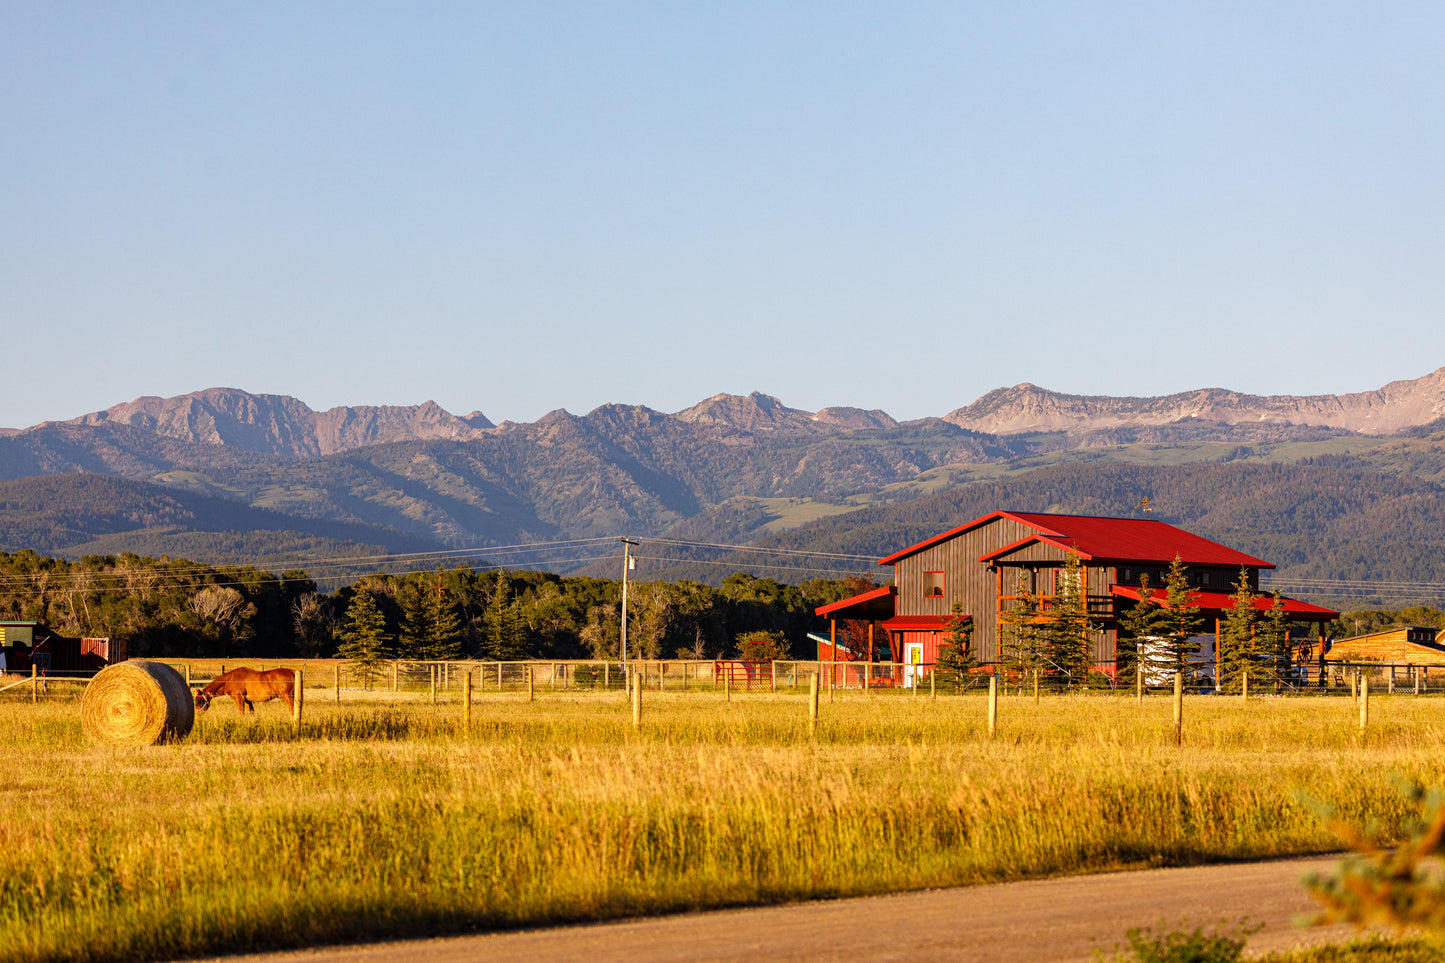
point(935, 585)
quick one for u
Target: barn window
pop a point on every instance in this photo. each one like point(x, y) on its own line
point(933, 585)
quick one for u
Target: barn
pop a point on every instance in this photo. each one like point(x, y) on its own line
point(981, 564)
point(1400, 645)
point(24, 645)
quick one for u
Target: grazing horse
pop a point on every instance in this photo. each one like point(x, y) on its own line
point(247, 686)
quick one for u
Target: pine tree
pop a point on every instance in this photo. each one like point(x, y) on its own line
point(1138, 630)
point(412, 641)
point(506, 637)
point(1237, 641)
point(956, 661)
point(1020, 639)
point(442, 629)
point(1179, 622)
point(1274, 641)
point(364, 642)
point(1066, 634)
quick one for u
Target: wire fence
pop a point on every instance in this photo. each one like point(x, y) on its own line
point(408, 680)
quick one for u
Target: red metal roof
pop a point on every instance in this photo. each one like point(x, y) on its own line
point(1112, 539)
point(875, 604)
point(917, 623)
point(1224, 601)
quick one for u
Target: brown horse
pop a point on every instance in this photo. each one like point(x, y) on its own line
point(247, 686)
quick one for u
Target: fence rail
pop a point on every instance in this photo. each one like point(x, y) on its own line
point(741, 676)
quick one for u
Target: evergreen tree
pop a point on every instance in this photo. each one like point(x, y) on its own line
point(956, 661)
point(432, 630)
point(1138, 628)
point(1238, 644)
point(364, 642)
point(1179, 622)
point(506, 637)
point(1021, 648)
point(412, 641)
point(1274, 641)
point(1066, 633)
point(444, 628)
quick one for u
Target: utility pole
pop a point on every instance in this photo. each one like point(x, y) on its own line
point(627, 564)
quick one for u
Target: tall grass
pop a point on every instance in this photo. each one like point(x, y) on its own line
point(376, 821)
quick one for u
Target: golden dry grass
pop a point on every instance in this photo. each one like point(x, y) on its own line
point(378, 819)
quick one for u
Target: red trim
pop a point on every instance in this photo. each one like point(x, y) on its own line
point(917, 623)
point(1030, 540)
point(861, 599)
point(1113, 539)
point(1224, 601)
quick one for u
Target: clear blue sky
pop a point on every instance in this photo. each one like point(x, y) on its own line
point(521, 207)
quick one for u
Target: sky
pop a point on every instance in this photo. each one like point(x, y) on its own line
point(518, 207)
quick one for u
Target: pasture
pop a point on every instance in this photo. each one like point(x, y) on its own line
point(388, 818)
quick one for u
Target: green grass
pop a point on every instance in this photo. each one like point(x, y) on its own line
point(386, 820)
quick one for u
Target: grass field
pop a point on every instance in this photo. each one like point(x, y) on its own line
point(381, 819)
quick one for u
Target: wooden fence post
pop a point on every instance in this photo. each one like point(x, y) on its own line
point(1415, 671)
point(34, 683)
point(637, 704)
point(813, 705)
point(298, 698)
point(606, 676)
point(531, 684)
point(434, 674)
point(774, 667)
point(1355, 688)
point(1178, 708)
point(932, 690)
point(868, 678)
point(1036, 685)
point(395, 676)
point(467, 699)
point(1364, 703)
point(992, 705)
point(1139, 680)
point(1244, 686)
point(728, 683)
point(338, 683)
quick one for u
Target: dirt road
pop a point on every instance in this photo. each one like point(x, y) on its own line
point(1042, 920)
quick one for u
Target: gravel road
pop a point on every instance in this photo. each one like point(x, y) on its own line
point(1067, 919)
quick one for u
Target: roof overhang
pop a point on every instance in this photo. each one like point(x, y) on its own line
point(918, 623)
point(1220, 602)
point(1012, 547)
point(872, 605)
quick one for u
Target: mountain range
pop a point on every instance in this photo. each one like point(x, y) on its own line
point(296, 483)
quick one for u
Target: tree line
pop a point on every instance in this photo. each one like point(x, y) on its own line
point(177, 608)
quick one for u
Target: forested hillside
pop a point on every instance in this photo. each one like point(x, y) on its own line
point(77, 515)
point(1321, 502)
point(1336, 520)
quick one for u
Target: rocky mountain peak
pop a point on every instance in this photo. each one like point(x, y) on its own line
point(1029, 408)
point(754, 412)
point(282, 425)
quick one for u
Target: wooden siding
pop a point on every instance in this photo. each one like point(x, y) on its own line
point(967, 581)
point(1403, 646)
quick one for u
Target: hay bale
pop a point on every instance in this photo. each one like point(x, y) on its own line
point(137, 704)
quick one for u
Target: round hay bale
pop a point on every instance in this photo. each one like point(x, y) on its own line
point(137, 704)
